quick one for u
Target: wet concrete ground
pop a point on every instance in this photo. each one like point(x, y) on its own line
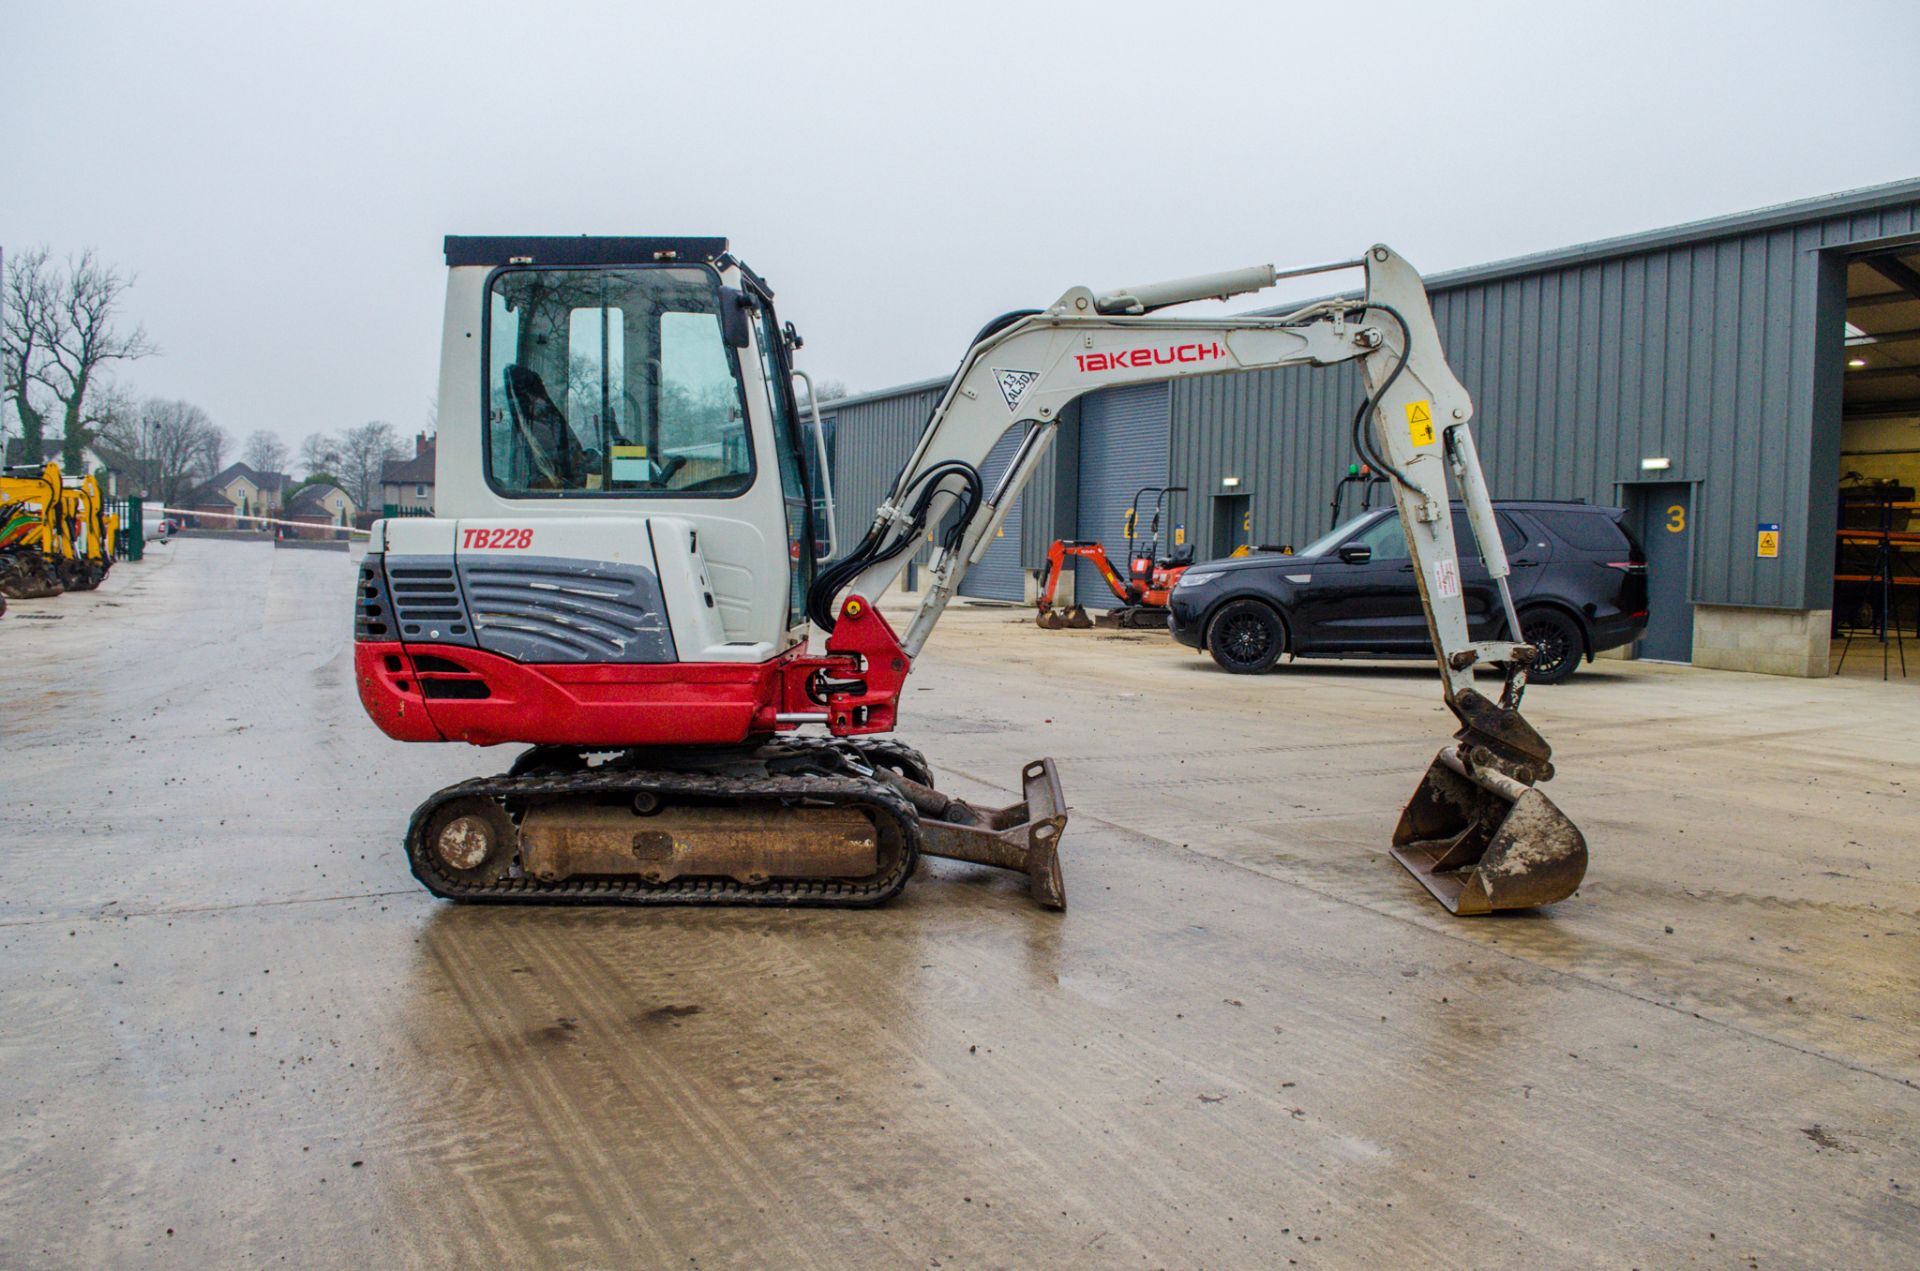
point(233, 1030)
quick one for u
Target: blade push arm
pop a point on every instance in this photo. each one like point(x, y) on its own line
point(1027, 372)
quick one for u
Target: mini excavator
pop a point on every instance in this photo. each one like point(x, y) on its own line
point(623, 575)
point(1142, 593)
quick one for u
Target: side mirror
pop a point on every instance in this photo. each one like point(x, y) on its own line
point(1355, 553)
point(733, 317)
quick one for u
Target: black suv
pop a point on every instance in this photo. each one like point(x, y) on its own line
point(1579, 583)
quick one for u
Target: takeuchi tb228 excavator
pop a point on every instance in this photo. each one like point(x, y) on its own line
point(624, 574)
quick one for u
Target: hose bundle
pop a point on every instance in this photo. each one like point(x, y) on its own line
point(883, 542)
point(879, 545)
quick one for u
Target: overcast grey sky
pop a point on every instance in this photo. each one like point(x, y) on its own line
point(280, 176)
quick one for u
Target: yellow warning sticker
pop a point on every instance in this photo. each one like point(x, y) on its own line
point(1420, 422)
point(628, 452)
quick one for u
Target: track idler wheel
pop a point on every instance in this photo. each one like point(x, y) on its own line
point(473, 840)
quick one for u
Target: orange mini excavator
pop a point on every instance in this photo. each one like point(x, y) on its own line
point(1150, 576)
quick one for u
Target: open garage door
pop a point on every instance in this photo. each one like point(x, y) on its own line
point(999, 576)
point(1123, 447)
point(1876, 585)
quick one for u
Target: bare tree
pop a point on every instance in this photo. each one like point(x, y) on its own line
point(265, 452)
point(63, 328)
point(29, 313)
point(319, 453)
point(364, 451)
point(828, 390)
point(173, 446)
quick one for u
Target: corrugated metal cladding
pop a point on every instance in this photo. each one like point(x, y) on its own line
point(872, 437)
point(1710, 353)
point(1123, 447)
point(1716, 345)
point(998, 575)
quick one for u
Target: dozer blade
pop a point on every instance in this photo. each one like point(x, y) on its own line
point(1480, 840)
point(1024, 836)
point(1072, 618)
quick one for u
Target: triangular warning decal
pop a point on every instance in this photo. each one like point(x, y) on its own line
point(1013, 384)
point(1420, 422)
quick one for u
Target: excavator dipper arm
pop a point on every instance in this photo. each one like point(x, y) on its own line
point(1476, 834)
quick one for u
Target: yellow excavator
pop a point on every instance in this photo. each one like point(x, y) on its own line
point(622, 574)
point(33, 535)
point(88, 530)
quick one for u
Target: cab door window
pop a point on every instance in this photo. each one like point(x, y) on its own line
point(794, 494)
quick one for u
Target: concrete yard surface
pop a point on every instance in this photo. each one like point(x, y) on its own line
point(234, 1031)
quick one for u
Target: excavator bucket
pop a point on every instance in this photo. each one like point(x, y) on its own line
point(1480, 840)
point(1072, 618)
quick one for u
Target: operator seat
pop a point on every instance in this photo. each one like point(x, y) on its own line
point(550, 441)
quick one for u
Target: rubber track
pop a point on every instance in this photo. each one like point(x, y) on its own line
point(876, 798)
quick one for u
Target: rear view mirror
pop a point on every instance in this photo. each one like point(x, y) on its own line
point(1356, 553)
point(733, 317)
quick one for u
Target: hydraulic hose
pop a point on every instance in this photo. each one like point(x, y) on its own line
point(1361, 442)
point(875, 548)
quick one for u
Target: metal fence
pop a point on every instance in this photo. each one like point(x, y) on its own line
point(129, 537)
point(391, 510)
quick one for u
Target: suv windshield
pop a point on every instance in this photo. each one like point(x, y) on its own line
point(612, 381)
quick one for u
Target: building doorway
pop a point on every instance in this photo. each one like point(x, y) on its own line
point(1876, 576)
point(1232, 524)
point(1662, 519)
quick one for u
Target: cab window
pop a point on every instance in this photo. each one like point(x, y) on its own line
point(612, 382)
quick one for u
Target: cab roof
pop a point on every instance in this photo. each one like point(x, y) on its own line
point(579, 249)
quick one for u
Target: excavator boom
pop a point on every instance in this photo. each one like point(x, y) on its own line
point(1469, 835)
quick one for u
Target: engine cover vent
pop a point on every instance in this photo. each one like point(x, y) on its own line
point(555, 609)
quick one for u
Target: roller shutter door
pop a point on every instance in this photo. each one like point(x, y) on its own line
point(1123, 446)
point(998, 576)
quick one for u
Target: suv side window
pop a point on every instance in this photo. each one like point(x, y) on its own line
point(1469, 549)
point(1594, 531)
point(1385, 538)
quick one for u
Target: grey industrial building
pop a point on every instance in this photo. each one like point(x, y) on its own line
point(1715, 379)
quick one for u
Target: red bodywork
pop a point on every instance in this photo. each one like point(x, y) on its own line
point(1149, 582)
point(433, 692)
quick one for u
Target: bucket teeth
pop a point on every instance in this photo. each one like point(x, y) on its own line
point(1480, 840)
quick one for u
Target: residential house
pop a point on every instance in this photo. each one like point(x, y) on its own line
point(238, 490)
point(406, 485)
point(322, 511)
point(115, 471)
